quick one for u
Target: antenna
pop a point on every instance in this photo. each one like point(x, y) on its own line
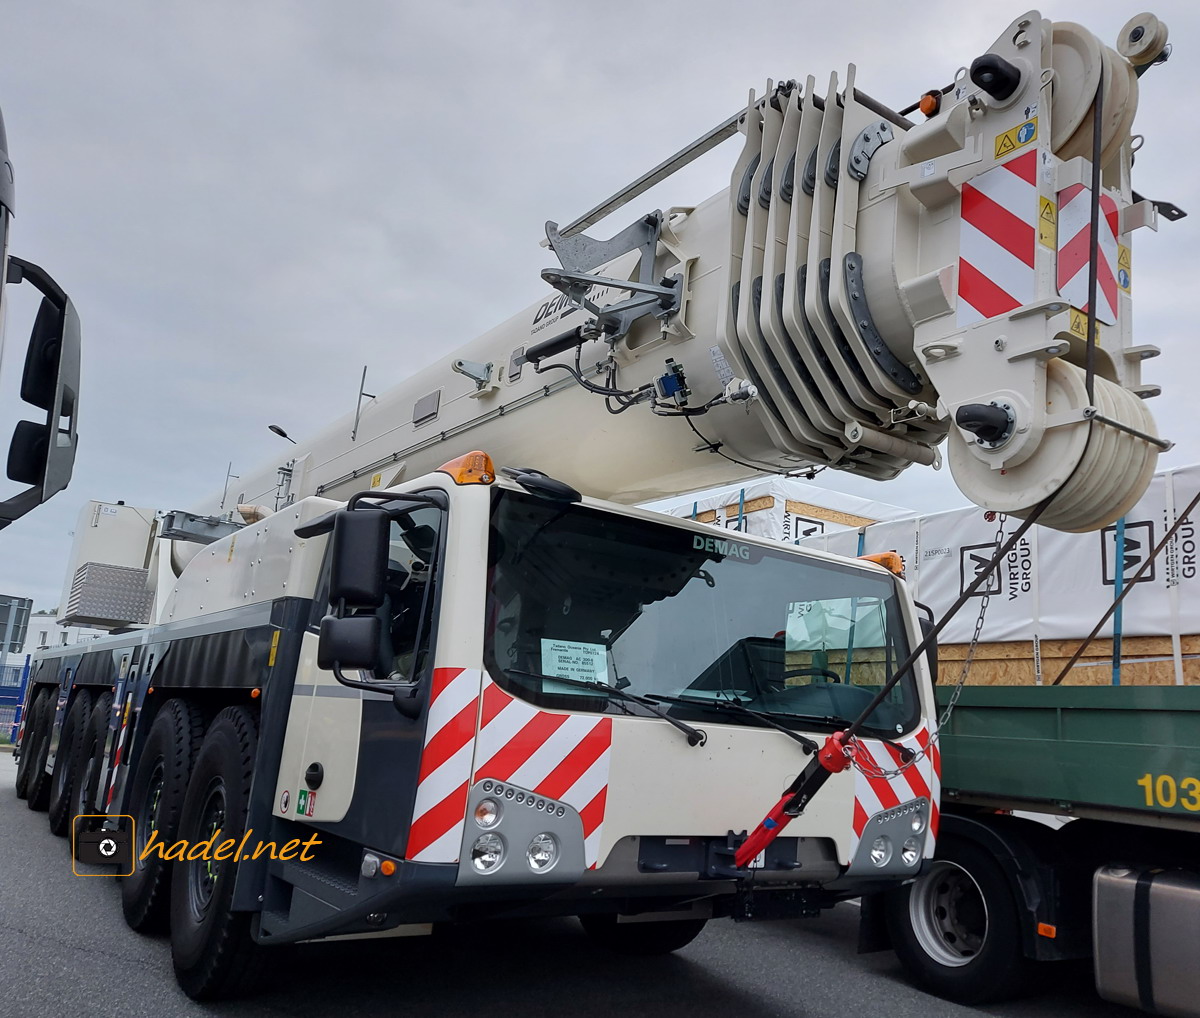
point(362, 391)
point(229, 476)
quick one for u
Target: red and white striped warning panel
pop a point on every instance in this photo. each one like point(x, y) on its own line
point(874, 793)
point(1074, 247)
point(560, 756)
point(445, 775)
point(997, 239)
point(116, 775)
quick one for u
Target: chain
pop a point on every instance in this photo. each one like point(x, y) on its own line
point(874, 771)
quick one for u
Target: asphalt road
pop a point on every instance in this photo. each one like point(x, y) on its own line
point(65, 950)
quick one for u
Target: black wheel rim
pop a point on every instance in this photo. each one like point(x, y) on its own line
point(203, 873)
point(148, 816)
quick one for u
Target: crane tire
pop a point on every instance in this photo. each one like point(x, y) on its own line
point(156, 794)
point(212, 949)
point(955, 928)
point(29, 747)
point(66, 762)
point(85, 794)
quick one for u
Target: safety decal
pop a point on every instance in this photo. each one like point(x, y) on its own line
point(1074, 247)
point(306, 803)
point(285, 800)
point(1047, 223)
point(1079, 325)
point(1124, 268)
point(1013, 139)
point(997, 240)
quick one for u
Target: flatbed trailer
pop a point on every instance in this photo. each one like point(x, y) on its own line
point(1070, 829)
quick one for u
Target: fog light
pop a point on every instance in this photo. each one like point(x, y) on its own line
point(911, 852)
point(881, 850)
point(487, 813)
point(487, 853)
point(542, 853)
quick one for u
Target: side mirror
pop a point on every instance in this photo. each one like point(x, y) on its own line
point(931, 651)
point(359, 557)
point(42, 456)
point(349, 643)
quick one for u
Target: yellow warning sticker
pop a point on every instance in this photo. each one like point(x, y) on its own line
point(1124, 270)
point(274, 649)
point(1013, 139)
point(1047, 222)
point(376, 480)
point(1079, 325)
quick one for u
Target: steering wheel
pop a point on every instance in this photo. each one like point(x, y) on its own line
point(831, 676)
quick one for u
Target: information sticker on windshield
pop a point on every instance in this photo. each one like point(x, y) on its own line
point(586, 662)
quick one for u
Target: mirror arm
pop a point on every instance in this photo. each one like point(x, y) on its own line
point(19, 270)
point(323, 524)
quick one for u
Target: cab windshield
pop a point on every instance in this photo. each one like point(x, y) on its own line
point(583, 601)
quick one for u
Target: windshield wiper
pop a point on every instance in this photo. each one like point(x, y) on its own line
point(806, 743)
point(695, 736)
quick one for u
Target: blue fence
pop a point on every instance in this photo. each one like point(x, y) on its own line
point(12, 694)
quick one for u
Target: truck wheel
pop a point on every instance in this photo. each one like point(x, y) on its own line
point(646, 938)
point(39, 753)
point(955, 928)
point(33, 724)
point(211, 946)
point(67, 762)
point(91, 765)
point(156, 794)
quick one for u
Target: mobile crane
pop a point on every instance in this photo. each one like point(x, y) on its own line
point(489, 693)
point(40, 456)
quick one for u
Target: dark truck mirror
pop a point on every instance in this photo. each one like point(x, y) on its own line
point(358, 558)
point(351, 642)
point(931, 652)
point(42, 455)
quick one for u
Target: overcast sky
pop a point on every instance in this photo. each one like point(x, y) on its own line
point(249, 201)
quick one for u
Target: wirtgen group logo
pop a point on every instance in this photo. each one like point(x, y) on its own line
point(973, 560)
point(92, 845)
point(1139, 539)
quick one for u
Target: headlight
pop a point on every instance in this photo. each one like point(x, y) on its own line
point(487, 853)
point(881, 850)
point(911, 852)
point(487, 813)
point(918, 821)
point(542, 853)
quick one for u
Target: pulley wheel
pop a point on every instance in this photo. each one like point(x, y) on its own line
point(1093, 482)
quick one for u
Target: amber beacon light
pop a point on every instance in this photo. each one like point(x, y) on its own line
point(471, 468)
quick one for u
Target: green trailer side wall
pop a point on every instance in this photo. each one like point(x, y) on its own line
point(1083, 746)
